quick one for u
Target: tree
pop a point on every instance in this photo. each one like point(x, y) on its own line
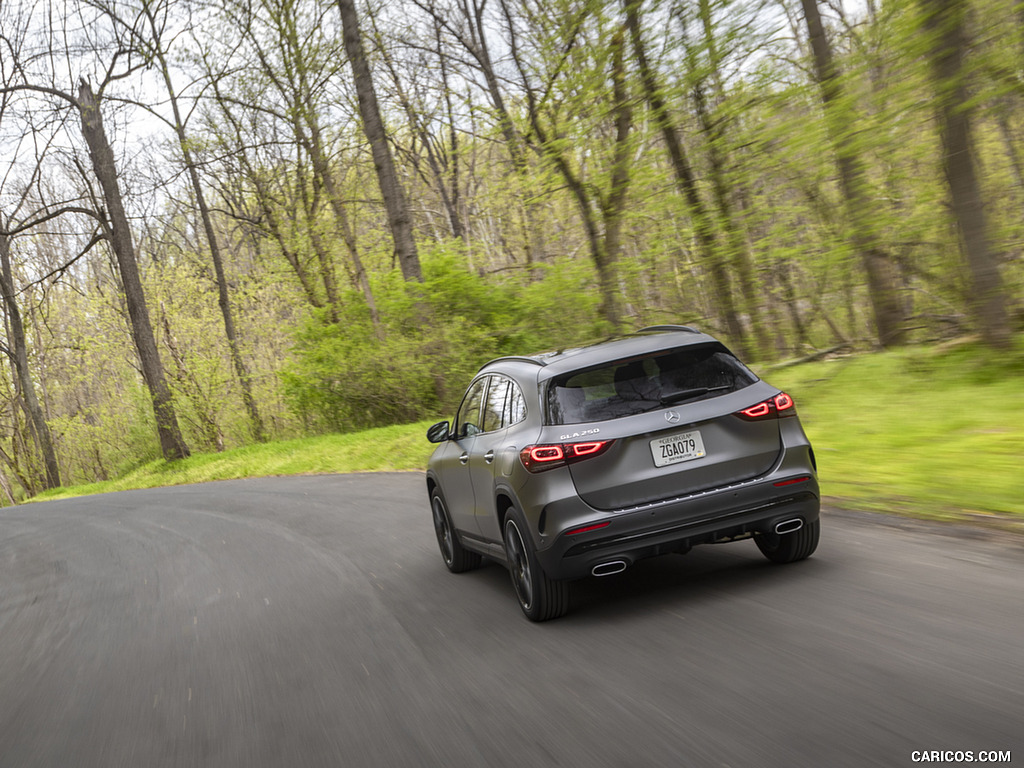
point(713, 128)
point(17, 346)
point(467, 28)
point(151, 44)
point(18, 352)
point(686, 180)
point(399, 219)
point(442, 154)
point(110, 212)
point(863, 218)
point(119, 235)
point(944, 21)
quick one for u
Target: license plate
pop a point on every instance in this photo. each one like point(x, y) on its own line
point(676, 448)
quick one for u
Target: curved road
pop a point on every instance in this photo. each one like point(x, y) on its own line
point(309, 621)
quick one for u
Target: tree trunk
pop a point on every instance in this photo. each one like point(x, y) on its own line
point(944, 20)
point(172, 444)
point(614, 204)
point(390, 187)
point(19, 356)
point(883, 286)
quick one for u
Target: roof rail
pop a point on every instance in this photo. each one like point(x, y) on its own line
point(669, 328)
point(517, 358)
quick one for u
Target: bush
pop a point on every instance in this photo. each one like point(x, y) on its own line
point(432, 339)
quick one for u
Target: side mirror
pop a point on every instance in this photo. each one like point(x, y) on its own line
point(439, 432)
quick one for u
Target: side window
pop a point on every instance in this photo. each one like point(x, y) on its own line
point(515, 405)
point(467, 422)
point(494, 404)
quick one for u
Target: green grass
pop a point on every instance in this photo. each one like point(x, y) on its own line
point(377, 450)
point(929, 432)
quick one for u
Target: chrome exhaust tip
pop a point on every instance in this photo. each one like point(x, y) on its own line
point(789, 526)
point(610, 568)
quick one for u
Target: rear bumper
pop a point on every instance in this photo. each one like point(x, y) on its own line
point(677, 525)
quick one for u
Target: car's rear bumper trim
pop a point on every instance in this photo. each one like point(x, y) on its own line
point(719, 519)
point(568, 560)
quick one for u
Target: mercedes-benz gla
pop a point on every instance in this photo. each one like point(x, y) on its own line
point(581, 462)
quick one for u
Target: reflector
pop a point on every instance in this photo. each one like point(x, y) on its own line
point(586, 528)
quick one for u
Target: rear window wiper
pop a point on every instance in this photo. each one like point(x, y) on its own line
point(686, 394)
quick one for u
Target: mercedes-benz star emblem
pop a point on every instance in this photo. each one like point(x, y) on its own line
point(671, 417)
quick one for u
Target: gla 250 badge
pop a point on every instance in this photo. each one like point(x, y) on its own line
point(584, 433)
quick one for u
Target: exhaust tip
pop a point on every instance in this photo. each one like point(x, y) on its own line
point(789, 526)
point(610, 568)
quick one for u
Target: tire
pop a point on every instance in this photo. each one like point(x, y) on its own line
point(457, 558)
point(790, 547)
point(541, 598)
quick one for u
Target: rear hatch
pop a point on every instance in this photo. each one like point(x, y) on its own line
point(673, 418)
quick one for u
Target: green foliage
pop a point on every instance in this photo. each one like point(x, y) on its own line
point(933, 432)
point(430, 342)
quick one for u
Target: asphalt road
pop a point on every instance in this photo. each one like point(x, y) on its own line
point(310, 621)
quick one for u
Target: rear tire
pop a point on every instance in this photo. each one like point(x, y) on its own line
point(790, 547)
point(457, 558)
point(540, 598)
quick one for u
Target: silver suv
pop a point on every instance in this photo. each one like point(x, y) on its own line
point(582, 461)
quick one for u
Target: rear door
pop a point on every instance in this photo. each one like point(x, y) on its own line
point(486, 451)
point(674, 420)
point(504, 408)
point(677, 451)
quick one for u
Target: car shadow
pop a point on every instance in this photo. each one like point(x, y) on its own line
point(668, 582)
point(674, 582)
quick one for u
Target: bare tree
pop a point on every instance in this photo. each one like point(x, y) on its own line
point(442, 153)
point(294, 58)
point(466, 24)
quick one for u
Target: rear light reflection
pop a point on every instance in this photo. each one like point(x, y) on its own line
point(538, 458)
point(792, 481)
point(586, 528)
point(780, 405)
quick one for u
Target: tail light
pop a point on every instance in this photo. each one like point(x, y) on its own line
point(538, 458)
point(775, 407)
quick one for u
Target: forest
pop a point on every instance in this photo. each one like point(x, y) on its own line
point(250, 220)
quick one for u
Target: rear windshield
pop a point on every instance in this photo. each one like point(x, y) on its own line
point(637, 385)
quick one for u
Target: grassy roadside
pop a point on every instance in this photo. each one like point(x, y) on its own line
point(929, 432)
point(385, 449)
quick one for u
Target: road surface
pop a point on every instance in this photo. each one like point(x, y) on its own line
point(309, 621)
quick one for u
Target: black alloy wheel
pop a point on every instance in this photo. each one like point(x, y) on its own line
point(455, 556)
point(541, 598)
